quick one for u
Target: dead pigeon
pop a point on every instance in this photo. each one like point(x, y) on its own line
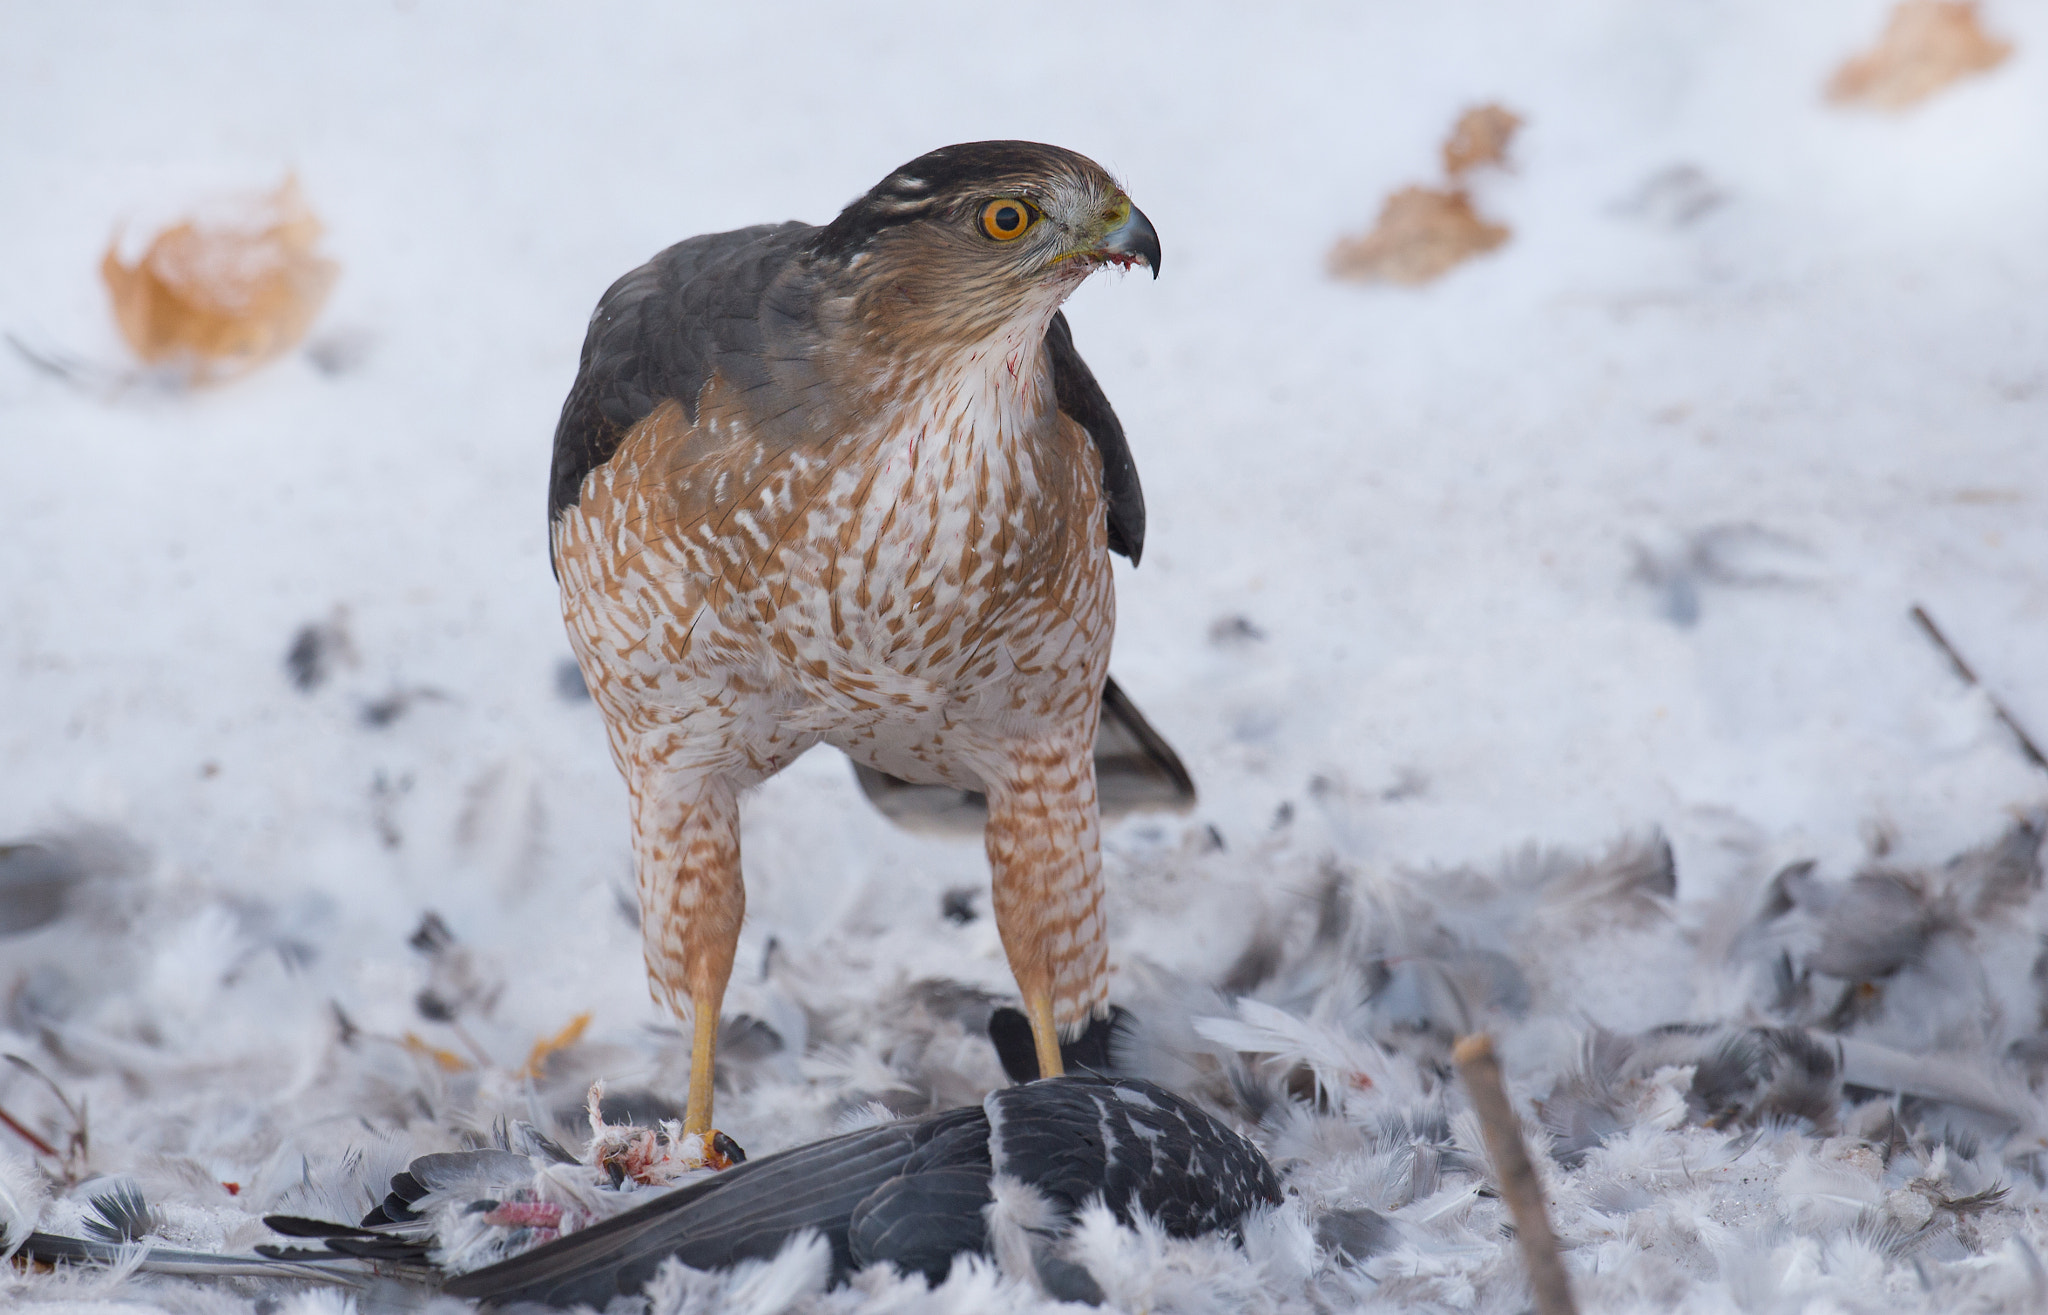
point(913, 1193)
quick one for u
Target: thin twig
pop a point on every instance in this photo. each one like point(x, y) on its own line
point(483, 1057)
point(105, 381)
point(1518, 1186)
point(78, 1147)
point(2012, 723)
point(48, 363)
point(29, 1137)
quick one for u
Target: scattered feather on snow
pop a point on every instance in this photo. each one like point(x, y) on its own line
point(754, 1287)
point(23, 1193)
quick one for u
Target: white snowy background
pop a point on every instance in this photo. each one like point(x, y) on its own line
point(1613, 530)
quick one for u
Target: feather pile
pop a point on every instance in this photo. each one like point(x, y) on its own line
point(1843, 1101)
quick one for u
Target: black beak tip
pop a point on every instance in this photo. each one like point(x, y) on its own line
point(1148, 243)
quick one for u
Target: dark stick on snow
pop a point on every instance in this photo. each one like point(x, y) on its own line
point(2012, 723)
point(1518, 1186)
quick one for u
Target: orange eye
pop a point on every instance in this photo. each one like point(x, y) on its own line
point(1006, 218)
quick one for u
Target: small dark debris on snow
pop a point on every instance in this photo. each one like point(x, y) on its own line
point(1408, 784)
point(958, 905)
point(1728, 556)
point(569, 685)
point(385, 794)
point(459, 984)
point(317, 650)
point(433, 934)
point(1234, 631)
point(340, 352)
point(380, 713)
point(433, 1008)
point(1673, 197)
point(345, 1029)
point(39, 878)
point(35, 882)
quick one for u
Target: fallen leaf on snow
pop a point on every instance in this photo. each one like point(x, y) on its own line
point(220, 296)
point(1927, 45)
point(1481, 137)
point(1421, 234)
point(1424, 232)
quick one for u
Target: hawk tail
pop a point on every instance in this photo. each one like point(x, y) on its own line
point(1136, 771)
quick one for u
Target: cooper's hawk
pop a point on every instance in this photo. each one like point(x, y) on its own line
point(853, 485)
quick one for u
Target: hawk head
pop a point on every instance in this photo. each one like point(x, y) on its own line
point(970, 239)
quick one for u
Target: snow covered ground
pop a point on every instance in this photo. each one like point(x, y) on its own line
point(1614, 530)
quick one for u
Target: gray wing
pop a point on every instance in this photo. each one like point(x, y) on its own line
point(704, 305)
point(931, 1210)
point(746, 1212)
point(1082, 398)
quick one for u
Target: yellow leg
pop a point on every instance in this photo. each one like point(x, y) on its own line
point(1045, 1036)
point(703, 1064)
point(1045, 864)
point(691, 904)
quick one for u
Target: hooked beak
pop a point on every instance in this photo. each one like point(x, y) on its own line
point(1132, 240)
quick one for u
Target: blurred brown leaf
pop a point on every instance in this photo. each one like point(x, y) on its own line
point(1421, 234)
point(1482, 136)
point(220, 296)
point(1927, 45)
